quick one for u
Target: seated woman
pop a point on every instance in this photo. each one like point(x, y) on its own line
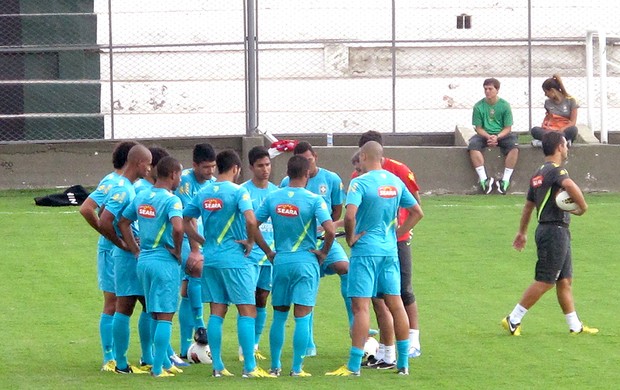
point(561, 112)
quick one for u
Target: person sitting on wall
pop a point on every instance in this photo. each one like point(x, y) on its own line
point(561, 111)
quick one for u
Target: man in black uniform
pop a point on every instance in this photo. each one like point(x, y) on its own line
point(554, 266)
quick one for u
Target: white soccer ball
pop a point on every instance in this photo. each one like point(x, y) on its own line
point(371, 347)
point(199, 353)
point(565, 202)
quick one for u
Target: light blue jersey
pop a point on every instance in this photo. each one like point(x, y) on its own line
point(99, 195)
point(325, 183)
point(221, 207)
point(141, 185)
point(294, 213)
point(258, 196)
point(153, 209)
point(188, 188)
point(378, 194)
point(119, 197)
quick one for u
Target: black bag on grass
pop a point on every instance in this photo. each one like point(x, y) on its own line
point(72, 196)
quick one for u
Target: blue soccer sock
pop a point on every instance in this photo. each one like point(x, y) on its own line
point(214, 334)
point(344, 282)
point(105, 331)
point(186, 325)
point(245, 333)
point(261, 318)
point(161, 339)
point(402, 348)
point(355, 359)
point(276, 337)
point(311, 344)
point(146, 338)
point(194, 293)
point(300, 341)
point(120, 333)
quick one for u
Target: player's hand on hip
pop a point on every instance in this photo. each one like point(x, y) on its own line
point(247, 246)
point(270, 256)
point(519, 242)
point(320, 255)
point(354, 239)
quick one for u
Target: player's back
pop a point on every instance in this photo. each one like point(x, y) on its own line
point(118, 198)
point(294, 212)
point(153, 210)
point(222, 205)
point(99, 195)
point(377, 195)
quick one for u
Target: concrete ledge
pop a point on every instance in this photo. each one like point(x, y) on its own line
point(585, 135)
point(462, 134)
point(438, 169)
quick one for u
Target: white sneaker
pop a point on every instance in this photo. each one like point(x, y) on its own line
point(414, 352)
point(177, 361)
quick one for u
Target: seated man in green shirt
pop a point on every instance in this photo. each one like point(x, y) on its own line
point(492, 119)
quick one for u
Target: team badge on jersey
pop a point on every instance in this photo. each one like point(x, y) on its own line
point(388, 192)
point(323, 189)
point(146, 211)
point(287, 210)
point(537, 181)
point(212, 204)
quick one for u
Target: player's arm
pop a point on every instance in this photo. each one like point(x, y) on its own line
point(88, 209)
point(349, 225)
point(415, 215)
point(576, 195)
point(177, 237)
point(254, 234)
point(336, 212)
point(526, 215)
point(106, 228)
point(330, 235)
point(124, 225)
point(189, 228)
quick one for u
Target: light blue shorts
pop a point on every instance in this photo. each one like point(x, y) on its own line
point(125, 277)
point(229, 285)
point(373, 275)
point(159, 276)
point(265, 277)
point(336, 253)
point(295, 283)
point(105, 270)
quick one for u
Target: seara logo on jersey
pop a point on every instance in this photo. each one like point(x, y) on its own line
point(212, 204)
point(146, 211)
point(287, 210)
point(537, 181)
point(388, 192)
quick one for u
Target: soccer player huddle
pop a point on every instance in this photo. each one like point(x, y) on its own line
point(175, 239)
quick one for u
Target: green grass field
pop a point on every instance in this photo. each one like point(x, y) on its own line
point(466, 277)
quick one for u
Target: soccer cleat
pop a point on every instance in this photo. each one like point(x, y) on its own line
point(310, 351)
point(221, 373)
point(258, 355)
point(257, 373)
point(372, 332)
point(164, 374)
point(130, 370)
point(403, 371)
point(502, 186)
point(200, 336)
point(145, 366)
point(414, 352)
point(487, 185)
point(514, 329)
point(109, 366)
point(383, 365)
point(301, 374)
point(585, 330)
point(174, 370)
point(537, 143)
point(177, 361)
point(343, 371)
point(276, 372)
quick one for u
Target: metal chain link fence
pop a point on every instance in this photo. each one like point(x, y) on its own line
point(116, 69)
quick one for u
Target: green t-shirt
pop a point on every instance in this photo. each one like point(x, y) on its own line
point(492, 118)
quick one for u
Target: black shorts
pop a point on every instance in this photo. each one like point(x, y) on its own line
point(505, 144)
point(554, 253)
